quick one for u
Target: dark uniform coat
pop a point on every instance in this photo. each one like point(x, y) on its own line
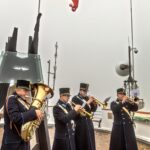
point(84, 131)
point(123, 136)
point(15, 114)
point(64, 133)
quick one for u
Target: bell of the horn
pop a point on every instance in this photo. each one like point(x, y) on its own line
point(122, 69)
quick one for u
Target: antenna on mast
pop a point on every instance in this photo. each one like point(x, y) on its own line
point(55, 67)
point(39, 6)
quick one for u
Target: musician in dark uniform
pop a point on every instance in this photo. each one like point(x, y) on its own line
point(123, 136)
point(63, 116)
point(84, 131)
point(16, 114)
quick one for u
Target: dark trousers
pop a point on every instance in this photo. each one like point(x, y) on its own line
point(61, 144)
point(16, 146)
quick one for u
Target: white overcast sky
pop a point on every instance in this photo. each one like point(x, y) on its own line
point(91, 41)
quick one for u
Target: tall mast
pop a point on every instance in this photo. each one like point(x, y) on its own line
point(55, 65)
point(132, 38)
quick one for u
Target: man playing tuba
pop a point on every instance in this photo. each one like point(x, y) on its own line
point(17, 113)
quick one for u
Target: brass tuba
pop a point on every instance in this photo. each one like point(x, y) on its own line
point(39, 92)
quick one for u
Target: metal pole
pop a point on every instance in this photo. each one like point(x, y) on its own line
point(130, 76)
point(132, 36)
point(39, 6)
point(48, 81)
point(55, 66)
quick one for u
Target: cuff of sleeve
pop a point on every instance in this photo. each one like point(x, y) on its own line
point(30, 115)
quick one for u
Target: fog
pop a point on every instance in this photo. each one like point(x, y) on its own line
point(91, 41)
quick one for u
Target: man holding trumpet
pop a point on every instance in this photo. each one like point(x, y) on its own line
point(123, 136)
point(84, 131)
point(63, 116)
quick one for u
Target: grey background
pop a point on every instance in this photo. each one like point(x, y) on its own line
point(91, 41)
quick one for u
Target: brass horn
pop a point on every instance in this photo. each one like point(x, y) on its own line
point(83, 112)
point(133, 100)
point(40, 93)
point(104, 104)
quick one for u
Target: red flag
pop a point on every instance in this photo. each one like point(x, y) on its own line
point(74, 5)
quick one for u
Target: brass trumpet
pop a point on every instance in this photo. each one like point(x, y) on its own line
point(102, 104)
point(132, 100)
point(83, 112)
